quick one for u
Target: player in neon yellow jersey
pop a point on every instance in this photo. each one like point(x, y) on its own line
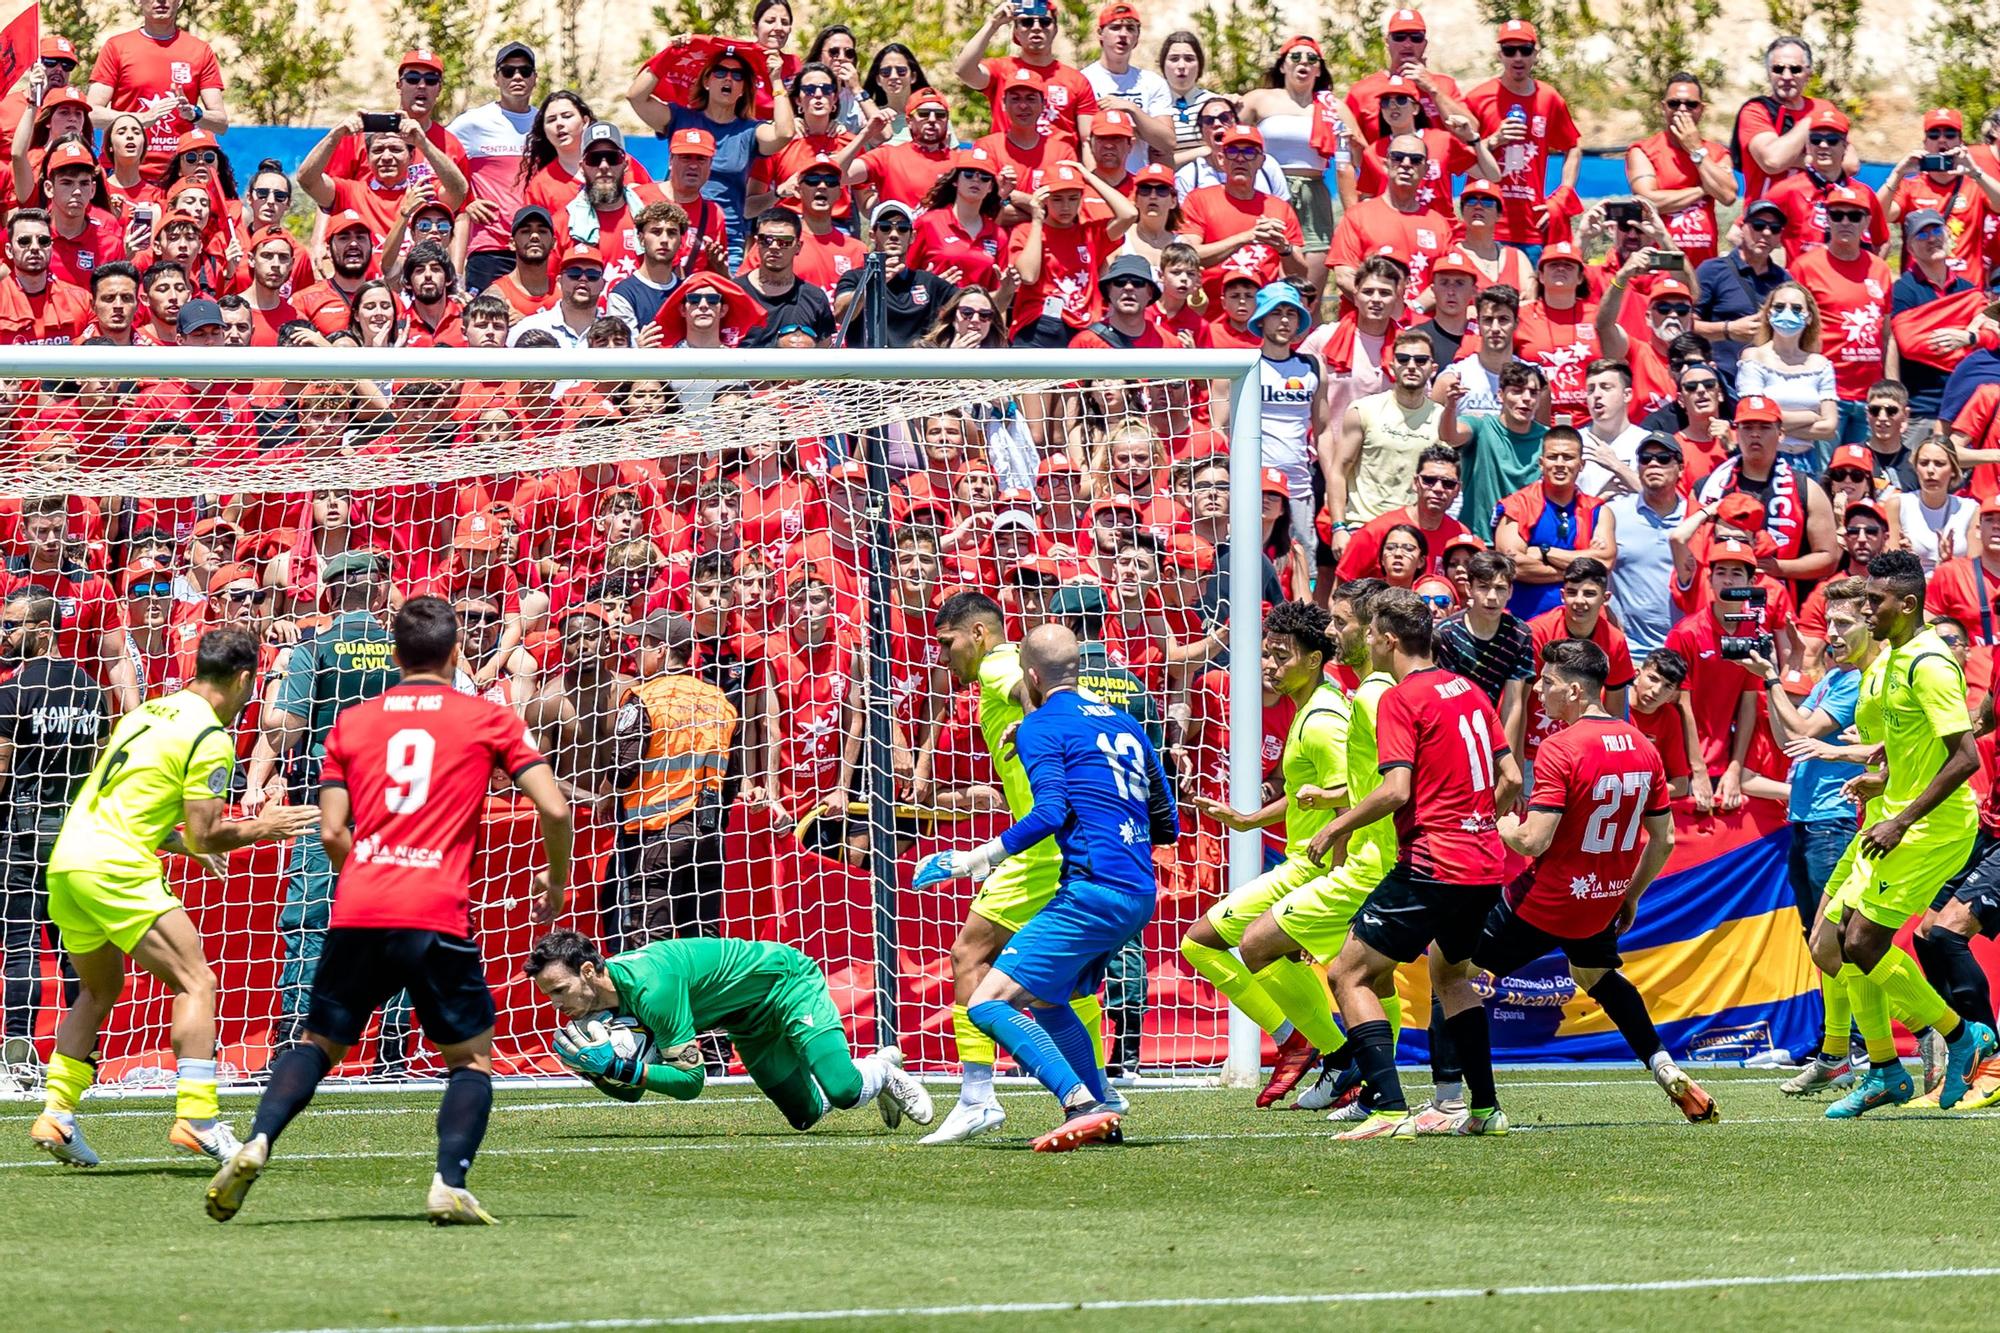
point(1918, 829)
point(168, 761)
point(971, 631)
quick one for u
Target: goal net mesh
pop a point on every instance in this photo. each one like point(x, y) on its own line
point(560, 517)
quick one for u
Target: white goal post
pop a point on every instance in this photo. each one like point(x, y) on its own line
point(846, 395)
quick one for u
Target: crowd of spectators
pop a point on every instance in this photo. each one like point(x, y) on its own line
point(1549, 419)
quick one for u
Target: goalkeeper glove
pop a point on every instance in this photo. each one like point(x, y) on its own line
point(975, 865)
point(599, 1060)
point(624, 1092)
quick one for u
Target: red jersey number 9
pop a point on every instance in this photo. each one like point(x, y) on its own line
point(408, 765)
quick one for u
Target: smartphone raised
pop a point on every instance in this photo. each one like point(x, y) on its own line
point(380, 122)
point(1939, 162)
point(1624, 210)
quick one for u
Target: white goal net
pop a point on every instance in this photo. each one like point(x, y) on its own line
point(760, 538)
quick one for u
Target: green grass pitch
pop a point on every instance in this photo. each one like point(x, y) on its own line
point(714, 1213)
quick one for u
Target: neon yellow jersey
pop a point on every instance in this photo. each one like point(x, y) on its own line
point(160, 756)
point(1922, 703)
point(1316, 756)
point(1371, 848)
point(999, 678)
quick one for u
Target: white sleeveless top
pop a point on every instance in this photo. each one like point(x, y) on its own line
point(1924, 526)
point(1288, 142)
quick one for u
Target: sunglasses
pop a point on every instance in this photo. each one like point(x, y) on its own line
point(1793, 306)
point(1847, 474)
point(1655, 456)
point(604, 160)
point(731, 72)
point(1884, 410)
point(1700, 386)
point(1436, 600)
point(9, 626)
point(517, 71)
point(1301, 58)
point(151, 590)
point(705, 298)
point(1789, 69)
point(418, 79)
point(66, 66)
point(1243, 151)
point(1226, 118)
point(815, 90)
point(1863, 530)
point(893, 72)
point(200, 157)
point(249, 596)
point(433, 224)
point(1409, 159)
point(34, 242)
point(488, 617)
point(580, 274)
point(1770, 226)
point(1826, 140)
point(1155, 189)
point(975, 312)
point(1941, 134)
point(776, 240)
point(1033, 21)
point(1926, 232)
point(896, 224)
point(933, 114)
point(1680, 309)
point(268, 194)
point(1517, 50)
point(1438, 483)
point(1846, 215)
point(1683, 104)
point(1398, 99)
point(1412, 359)
point(1128, 284)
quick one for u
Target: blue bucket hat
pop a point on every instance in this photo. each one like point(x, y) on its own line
point(1273, 295)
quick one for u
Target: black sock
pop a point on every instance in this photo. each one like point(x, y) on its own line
point(1959, 975)
point(1627, 1009)
point(1475, 1056)
point(1930, 963)
point(1447, 1066)
point(462, 1116)
point(295, 1076)
point(1375, 1051)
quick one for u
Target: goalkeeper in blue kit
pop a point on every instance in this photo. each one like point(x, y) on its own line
point(1101, 793)
point(771, 999)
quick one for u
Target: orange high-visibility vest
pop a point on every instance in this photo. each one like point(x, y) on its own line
point(691, 725)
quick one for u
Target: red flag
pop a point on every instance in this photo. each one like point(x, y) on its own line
point(1913, 328)
point(679, 68)
point(20, 45)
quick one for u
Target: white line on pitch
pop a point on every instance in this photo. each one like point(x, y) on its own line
point(1182, 1302)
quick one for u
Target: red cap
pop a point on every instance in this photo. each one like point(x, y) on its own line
point(852, 472)
point(208, 525)
point(692, 143)
point(1115, 12)
point(142, 569)
point(1666, 287)
point(67, 154)
point(1519, 30)
point(1190, 552)
point(55, 46)
point(1055, 463)
point(346, 220)
point(192, 140)
point(975, 159)
point(1482, 189)
point(924, 97)
point(1732, 549)
point(1944, 118)
point(59, 97)
point(1114, 125)
point(1847, 194)
point(1039, 565)
point(1454, 261)
point(421, 58)
point(1153, 173)
point(477, 532)
point(1745, 513)
point(274, 234)
point(1111, 502)
point(1023, 77)
point(1275, 483)
point(1392, 252)
point(225, 575)
point(1236, 134)
point(1830, 118)
point(1294, 43)
point(1470, 541)
point(177, 219)
point(1756, 407)
point(1990, 505)
point(1406, 20)
point(1855, 506)
point(1057, 180)
point(1560, 250)
point(1854, 455)
point(584, 251)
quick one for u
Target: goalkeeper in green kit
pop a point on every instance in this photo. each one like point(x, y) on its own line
point(771, 999)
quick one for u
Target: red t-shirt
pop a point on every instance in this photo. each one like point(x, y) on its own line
point(1966, 215)
point(822, 259)
point(1071, 259)
point(1663, 728)
point(1212, 213)
point(1803, 197)
point(1524, 165)
point(378, 204)
point(1755, 117)
point(1046, 152)
point(1544, 630)
point(1069, 94)
point(55, 315)
point(144, 72)
point(1951, 591)
point(416, 762)
point(75, 258)
point(812, 686)
point(1853, 297)
point(1363, 557)
point(938, 243)
point(1562, 343)
point(1418, 237)
point(1693, 228)
point(1604, 778)
point(1440, 726)
point(350, 156)
point(617, 235)
point(904, 172)
point(1449, 156)
point(1364, 99)
point(1714, 684)
point(87, 610)
point(1208, 747)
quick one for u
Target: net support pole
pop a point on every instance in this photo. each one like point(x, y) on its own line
point(884, 867)
point(1246, 686)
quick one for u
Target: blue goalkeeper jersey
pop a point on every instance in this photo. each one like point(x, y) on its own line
point(1099, 791)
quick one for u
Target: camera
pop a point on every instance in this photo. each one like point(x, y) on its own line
point(1938, 162)
point(380, 122)
point(1737, 647)
point(1666, 261)
point(1626, 211)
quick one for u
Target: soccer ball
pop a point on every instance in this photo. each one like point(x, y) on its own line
point(625, 1035)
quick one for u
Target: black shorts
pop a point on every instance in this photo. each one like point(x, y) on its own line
point(361, 968)
point(1978, 885)
point(1409, 910)
point(1508, 944)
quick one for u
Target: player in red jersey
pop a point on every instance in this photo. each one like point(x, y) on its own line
point(1599, 828)
point(410, 768)
point(1446, 773)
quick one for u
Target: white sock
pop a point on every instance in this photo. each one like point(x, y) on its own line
point(1449, 1093)
point(874, 1073)
point(975, 1083)
point(198, 1071)
point(1659, 1060)
point(1284, 1032)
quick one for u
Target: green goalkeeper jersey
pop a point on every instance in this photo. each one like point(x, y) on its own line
point(678, 988)
point(1316, 756)
point(999, 677)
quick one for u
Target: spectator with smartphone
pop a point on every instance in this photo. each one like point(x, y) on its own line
point(392, 149)
point(1936, 177)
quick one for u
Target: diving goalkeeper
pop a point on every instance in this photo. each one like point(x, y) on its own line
point(771, 999)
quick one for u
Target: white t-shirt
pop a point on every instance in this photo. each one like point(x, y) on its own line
point(494, 139)
point(1288, 389)
point(1923, 528)
point(1141, 87)
point(1482, 388)
point(1599, 480)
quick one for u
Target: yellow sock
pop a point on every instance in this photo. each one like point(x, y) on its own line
point(1302, 996)
point(974, 1046)
point(1911, 998)
point(1090, 1012)
point(194, 1090)
point(1871, 1014)
point(66, 1081)
point(1839, 1016)
point(1224, 971)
